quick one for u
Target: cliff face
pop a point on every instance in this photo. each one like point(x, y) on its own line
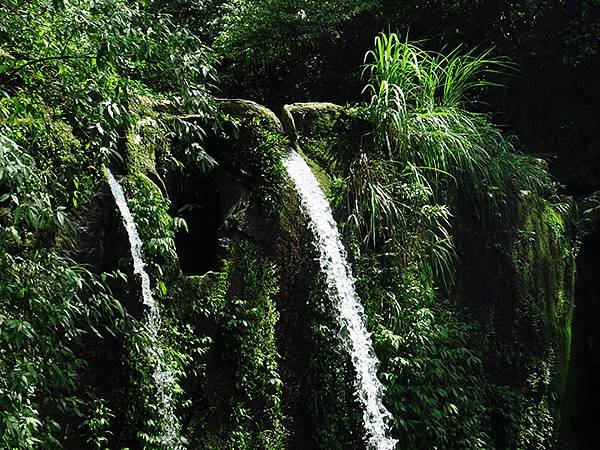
point(516, 277)
point(217, 278)
point(254, 343)
point(583, 393)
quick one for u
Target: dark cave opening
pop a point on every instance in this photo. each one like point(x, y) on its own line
point(197, 200)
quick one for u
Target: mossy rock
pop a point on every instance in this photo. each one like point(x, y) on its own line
point(249, 147)
point(582, 402)
point(146, 139)
point(543, 259)
point(140, 155)
point(516, 278)
point(330, 134)
point(247, 109)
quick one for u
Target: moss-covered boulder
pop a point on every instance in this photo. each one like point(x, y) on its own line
point(330, 135)
point(250, 110)
point(216, 279)
point(582, 403)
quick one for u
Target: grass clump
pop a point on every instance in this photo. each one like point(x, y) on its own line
point(430, 151)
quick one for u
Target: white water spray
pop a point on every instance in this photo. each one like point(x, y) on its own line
point(340, 289)
point(163, 378)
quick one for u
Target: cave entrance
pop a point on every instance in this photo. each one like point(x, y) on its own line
point(198, 201)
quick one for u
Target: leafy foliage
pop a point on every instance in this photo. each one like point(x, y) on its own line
point(71, 77)
point(90, 61)
point(25, 193)
point(418, 104)
point(75, 77)
point(430, 150)
point(435, 386)
point(48, 304)
point(253, 147)
point(431, 157)
point(246, 374)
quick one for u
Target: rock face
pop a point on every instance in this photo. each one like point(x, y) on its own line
point(242, 293)
point(582, 406)
point(246, 109)
point(218, 282)
point(329, 134)
point(516, 276)
point(306, 113)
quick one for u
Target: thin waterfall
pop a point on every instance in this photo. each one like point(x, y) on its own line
point(163, 377)
point(340, 289)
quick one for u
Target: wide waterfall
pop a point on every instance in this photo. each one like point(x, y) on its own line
point(340, 289)
point(163, 377)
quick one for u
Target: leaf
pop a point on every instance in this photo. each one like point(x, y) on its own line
point(162, 287)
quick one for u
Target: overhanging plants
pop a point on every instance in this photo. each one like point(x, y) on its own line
point(418, 107)
point(429, 150)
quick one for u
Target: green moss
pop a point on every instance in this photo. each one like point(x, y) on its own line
point(147, 143)
point(250, 146)
point(330, 135)
point(248, 110)
point(239, 403)
point(322, 176)
point(553, 219)
point(140, 150)
point(543, 261)
point(155, 225)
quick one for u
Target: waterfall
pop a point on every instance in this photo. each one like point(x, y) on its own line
point(163, 378)
point(340, 289)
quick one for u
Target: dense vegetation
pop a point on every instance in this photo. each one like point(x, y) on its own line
point(429, 155)
point(430, 189)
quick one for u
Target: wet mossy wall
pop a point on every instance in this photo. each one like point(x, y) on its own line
point(514, 282)
point(543, 256)
point(582, 403)
point(516, 276)
point(253, 341)
point(328, 135)
point(219, 327)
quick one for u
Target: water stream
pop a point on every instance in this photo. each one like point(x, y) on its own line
point(340, 290)
point(163, 378)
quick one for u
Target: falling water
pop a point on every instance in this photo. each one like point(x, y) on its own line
point(163, 378)
point(340, 289)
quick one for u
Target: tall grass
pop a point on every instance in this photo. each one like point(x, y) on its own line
point(390, 207)
point(418, 109)
point(433, 156)
point(428, 146)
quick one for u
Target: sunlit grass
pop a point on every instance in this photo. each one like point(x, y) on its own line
point(428, 146)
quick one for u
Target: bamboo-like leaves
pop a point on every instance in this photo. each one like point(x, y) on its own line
point(418, 108)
